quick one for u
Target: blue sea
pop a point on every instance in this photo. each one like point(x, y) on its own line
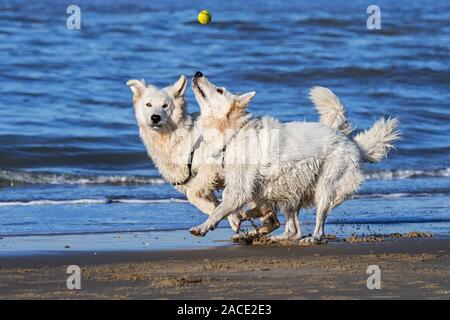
point(72, 163)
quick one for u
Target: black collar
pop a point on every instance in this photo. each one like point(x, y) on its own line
point(223, 156)
point(191, 157)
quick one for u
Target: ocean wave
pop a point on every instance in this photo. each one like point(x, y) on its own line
point(184, 226)
point(11, 178)
point(280, 76)
point(407, 174)
point(100, 201)
point(400, 195)
point(88, 201)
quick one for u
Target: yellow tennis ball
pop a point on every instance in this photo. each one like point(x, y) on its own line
point(204, 17)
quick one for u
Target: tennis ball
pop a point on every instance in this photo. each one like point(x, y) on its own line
point(204, 17)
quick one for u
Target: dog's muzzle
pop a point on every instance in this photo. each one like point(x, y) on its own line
point(196, 87)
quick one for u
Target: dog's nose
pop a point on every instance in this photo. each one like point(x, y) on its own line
point(155, 118)
point(198, 74)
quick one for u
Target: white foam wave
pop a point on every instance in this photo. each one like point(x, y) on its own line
point(21, 177)
point(407, 174)
point(144, 201)
point(396, 195)
point(89, 201)
point(11, 178)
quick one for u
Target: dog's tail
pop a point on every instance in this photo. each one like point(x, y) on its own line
point(376, 142)
point(330, 109)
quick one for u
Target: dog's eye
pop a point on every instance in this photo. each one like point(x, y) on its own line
point(148, 104)
point(164, 105)
point(220, 90)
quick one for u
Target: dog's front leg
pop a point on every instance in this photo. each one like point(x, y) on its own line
point(211, 222)
point(238, 192)
point(205, 204)
point(229, 205)
point(208, 203)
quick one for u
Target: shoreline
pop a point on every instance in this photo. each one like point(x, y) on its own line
point(410, 268)
point(180, 239)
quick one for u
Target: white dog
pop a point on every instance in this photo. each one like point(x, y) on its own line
point(173, 143)
point(288, 166)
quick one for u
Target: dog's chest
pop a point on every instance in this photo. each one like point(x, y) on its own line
point(169, 154)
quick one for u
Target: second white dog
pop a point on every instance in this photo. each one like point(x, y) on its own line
point(289, 166)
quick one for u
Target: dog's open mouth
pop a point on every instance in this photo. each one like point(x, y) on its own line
point(197, 87)
point(153, 125)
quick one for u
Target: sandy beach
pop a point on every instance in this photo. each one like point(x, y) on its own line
point(410, 268)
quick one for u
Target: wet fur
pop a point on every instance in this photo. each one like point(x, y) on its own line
point(319, 166)
point(170, 146)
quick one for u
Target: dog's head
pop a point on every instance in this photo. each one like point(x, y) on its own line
point(217, 102)
point(158, 108)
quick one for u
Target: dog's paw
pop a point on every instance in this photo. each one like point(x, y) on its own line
point(246, 235)
point(198, 231)
point(235, 223)
point(313, 240)
point(282, 237)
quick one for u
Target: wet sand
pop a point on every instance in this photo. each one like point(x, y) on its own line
point(410, 268)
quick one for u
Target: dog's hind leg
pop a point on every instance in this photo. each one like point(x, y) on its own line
point(319, 233)
point(243, 215)
point(269, 221)
point(340, 178)
point(292, 227)
point(336, 194)
point(324, 195)
point(268, 218)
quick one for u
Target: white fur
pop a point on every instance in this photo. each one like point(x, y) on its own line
point(376, 142)
point(331, 110)
point(170, 142)
point(310, 164)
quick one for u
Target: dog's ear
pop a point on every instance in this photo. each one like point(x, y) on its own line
point(178, 88)
point(137, 86)
point(239, 104)
point(244, 99)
